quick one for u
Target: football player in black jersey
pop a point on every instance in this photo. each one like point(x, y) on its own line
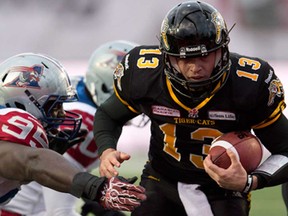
point(194, 89)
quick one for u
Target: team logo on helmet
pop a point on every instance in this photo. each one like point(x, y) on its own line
point(118, 74)
point(275, 89)
point(219, 24)
point(28, 76)
point(164, 29)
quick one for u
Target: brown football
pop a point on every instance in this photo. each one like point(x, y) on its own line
point(244, 144)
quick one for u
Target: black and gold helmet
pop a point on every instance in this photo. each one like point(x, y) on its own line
point(194, 29)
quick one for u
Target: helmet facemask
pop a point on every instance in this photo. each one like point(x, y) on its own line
point(198, 90)
point(53, 124)
point(195, 29)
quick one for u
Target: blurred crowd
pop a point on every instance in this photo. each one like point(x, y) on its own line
point(71, 29)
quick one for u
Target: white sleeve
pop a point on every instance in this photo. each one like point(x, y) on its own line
point(28, 201)
point(59, 204)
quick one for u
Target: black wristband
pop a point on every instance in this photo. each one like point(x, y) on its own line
point(86, 185)
point(262, 180)
point(249, 183)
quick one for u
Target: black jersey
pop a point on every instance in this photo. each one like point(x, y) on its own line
point(182, 131)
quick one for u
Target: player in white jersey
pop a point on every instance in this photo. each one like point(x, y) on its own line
point(93, 89)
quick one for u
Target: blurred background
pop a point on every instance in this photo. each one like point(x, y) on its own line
point(70, 30)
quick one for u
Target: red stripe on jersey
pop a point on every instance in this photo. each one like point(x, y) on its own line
point(8, 213)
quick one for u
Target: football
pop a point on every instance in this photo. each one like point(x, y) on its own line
point(244, 144)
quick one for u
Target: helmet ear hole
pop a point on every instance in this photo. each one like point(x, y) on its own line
point(105, 89)
point(4, 77)
point(19, 105)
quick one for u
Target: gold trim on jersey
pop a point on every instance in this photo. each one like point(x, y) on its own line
point(273, 117)
point(174, 97)
point(154, 178)
point(199, 106)
point(123, 101)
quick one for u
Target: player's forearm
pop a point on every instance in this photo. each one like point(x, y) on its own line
point(104, 131)
point(25, 164)
point(108, 123)
point(61, 176)
point(57, 174)
point(273, 171)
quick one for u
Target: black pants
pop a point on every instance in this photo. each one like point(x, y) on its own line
point(163, 198)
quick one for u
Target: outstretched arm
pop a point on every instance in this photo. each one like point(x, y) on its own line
point(50, 169)
point(22, 163)
point(108, 124)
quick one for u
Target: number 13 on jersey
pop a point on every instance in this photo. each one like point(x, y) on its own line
point(170, 141)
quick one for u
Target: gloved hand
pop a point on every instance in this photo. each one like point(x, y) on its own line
point(121, 194)
point(59, 144)
point(116, 193)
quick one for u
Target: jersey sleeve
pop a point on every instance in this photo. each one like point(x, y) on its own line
point(123, 79)
point(262, 95)
point(258, 92)
point(270, 100)
point(135, 76)
point(20, 127)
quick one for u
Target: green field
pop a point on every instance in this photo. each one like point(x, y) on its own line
point(268, 202)
point(265, 202)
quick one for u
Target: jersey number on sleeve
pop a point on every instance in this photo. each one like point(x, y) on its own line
point(145, 63)
point(255, 65)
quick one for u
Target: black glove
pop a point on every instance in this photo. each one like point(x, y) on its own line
point(59, 144)
point(116, 193)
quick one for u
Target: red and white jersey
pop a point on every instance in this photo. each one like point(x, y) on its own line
point(35, 199)
point(84, 153)
point(18, 126)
